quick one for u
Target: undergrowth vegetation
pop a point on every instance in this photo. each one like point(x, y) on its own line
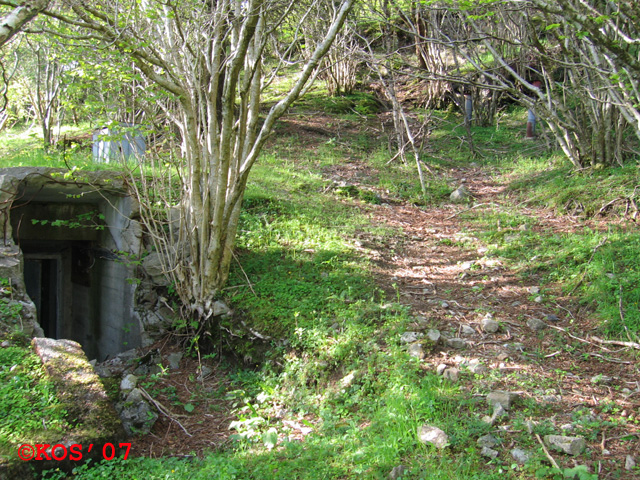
point(336, 394)
point(30, 410)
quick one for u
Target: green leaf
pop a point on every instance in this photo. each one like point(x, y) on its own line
point(189, 407)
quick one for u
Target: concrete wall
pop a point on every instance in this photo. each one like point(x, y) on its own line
point(96, 285)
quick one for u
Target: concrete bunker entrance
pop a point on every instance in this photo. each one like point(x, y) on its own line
point(76, 241)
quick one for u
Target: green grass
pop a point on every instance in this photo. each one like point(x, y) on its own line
point(600, 268)
point(336, 364)
point(21, 147)
point(30, 411)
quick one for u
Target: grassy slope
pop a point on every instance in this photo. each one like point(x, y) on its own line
point(311, 287)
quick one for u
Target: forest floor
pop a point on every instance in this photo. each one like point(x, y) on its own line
point(437, 265)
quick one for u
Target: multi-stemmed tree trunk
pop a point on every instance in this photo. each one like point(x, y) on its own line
point(207, 59)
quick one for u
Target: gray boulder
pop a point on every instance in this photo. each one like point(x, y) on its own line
point(430, 435)
point(460, 195)
point(136, 414)
point(569, 445)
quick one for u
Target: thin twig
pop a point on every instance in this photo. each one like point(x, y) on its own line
point(617, 342)
point(584, 273)
point(244, 273)
point(612, 360)
point(564, 330)
point(553, 462)
point(621, 310)
point(162, 409)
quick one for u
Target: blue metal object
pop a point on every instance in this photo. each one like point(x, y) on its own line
point(531, 124)
point(118, 144)
point(468, 107)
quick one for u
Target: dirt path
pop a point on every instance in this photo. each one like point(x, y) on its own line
point(438, 268)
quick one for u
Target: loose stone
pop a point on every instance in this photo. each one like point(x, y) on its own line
point(488, 441)
point(536, 324)
point(410, 337)
point(505, 399)
point(489, 325)
point(452, 374)
point(415, 350)
point(488, 452)
point(457, 343)
point(433, 436)
point(397, 472)
point(569, 445)
point(520, 456)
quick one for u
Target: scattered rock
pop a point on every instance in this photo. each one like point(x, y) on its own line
point(174, 360)
point(433, 436)
point(397, 472)
point(136, 414)
point(489, 325)
point(347, 380)
point(517, 346)
point(538, 299)
point(410, 337)
point(478, 369)
point(205, 371)
point(488, 452)
point(498, 413)
point(530, 426)
point(551, 398)
point(433, 336)
point(567, 427)
point(520, 456)
point(128, 383)
point(536, 324)
point(457, 343)
point(460, 195)
point(569, 445)
point(534, 290)
point(444, 304)
point(552, 318)
point(506, 399)
point(441, 368)
point(220, 308)
point(452, 374)
point(153, 265)
point(415, 350)
point(422, 321)
point(602, 380)
point(629, 463)
point(467, 330)
point(467, 265)
point(488, 441)
point(103, 371)
point(5, 344)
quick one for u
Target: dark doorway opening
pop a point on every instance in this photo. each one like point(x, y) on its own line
point(42, 279)
point(70, 239)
